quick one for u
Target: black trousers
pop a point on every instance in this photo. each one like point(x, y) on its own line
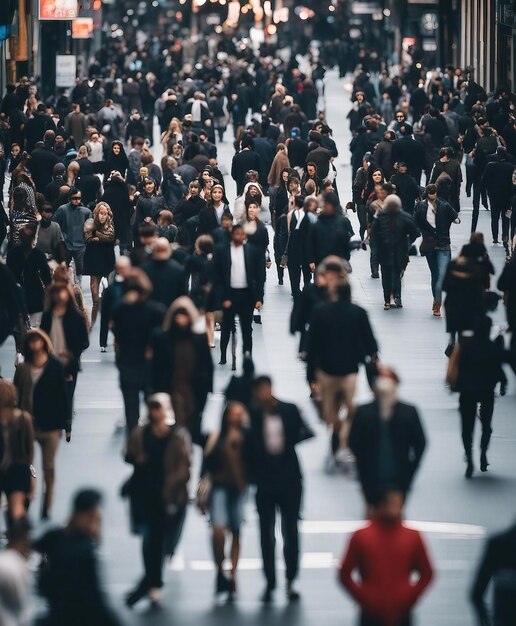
point(391, 282)
point(131, 394)
point(294, 272)
point(468, 403)
point(362, 219)
point(160, 537)
point(288, 502)
point(242, 304)
point(498, 209)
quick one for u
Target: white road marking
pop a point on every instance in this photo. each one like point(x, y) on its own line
point(338, 527)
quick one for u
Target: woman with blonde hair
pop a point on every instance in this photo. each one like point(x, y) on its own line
point(99, 257)
point(172, 135)
point(16, 454)
point(279, 163)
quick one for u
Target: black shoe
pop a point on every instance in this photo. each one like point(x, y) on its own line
point(397, 303)
point(483, 462)
point(267, 595)
point(280, 281)
point(44, 515)
point(469, 468)
point(495, 241)
point(257, 319)
point(136, 595)
point(449, 350)
point(222, 360)
point(292, 594)
point(223, 584)
point(375, 275)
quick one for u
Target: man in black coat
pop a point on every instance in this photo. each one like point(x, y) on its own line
point(116, 194)
point(240, 274)
point(298, 232)
point(297, 149)
point(497, 181)
point(392, 234)
point(42, 161)
point(410, 151)
point(498, 563)
point(446, 165)
point(68, 576)
point(318, 155)
point(243, 161)
point(276, 428)
point(330, 234)
point(387, 439)
point(166, 275)
point(35, 128)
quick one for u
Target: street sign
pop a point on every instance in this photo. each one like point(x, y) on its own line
point(66, 69)
point(61, 10)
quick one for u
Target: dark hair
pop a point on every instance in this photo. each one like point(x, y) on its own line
point(73, 191)
point(147, 229)
point(27, 341)
point(20, 198)
point(262, 380)
point(247, 142)
point(388, 187)
point(431, 189)
point(332, 198)
point(86, 500)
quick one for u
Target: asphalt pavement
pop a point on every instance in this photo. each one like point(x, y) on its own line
point(454, 514)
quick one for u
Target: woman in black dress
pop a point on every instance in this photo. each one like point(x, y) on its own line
point(115, 160)
point(99, 257)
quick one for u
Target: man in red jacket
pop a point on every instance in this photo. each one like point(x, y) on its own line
point(386, 554)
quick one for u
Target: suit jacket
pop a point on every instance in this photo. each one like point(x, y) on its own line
point(297, 246)
point(276, 472)
point(243, 162)
point(254, 268)
point(407, 440)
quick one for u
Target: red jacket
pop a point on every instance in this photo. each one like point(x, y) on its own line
point(385, 558)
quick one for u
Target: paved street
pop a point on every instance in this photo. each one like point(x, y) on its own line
point(454, 513)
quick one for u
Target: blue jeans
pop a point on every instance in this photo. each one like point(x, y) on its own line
point(438, 262)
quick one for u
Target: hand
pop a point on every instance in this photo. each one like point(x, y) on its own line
point(226, 304)
point(68, 437)
point(312, 267)
point(258, 305)
point(148, 220)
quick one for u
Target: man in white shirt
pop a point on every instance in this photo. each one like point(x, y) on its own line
point(240, 272)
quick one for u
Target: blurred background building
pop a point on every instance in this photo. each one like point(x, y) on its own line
point(477, 33)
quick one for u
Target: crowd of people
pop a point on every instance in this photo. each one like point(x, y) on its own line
point(173, 262)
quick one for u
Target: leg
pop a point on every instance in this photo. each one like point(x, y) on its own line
point(78, 257)
point(386, 283)
point(94, 286)
point(153, 548)
point(476, 205)
point(361, 214)
point(373, 260)
point(431, 259)
point(468, 410)
point(396, 283)
point(290, 505)
point(131, 395)
point(495, 218)
point(486, 416)
point(266, 507)
point(307, 275)
point(210, 328)
point(294, 274)
point(442, 260)
point(245, 314)
point(49, 442)
point(228, 320)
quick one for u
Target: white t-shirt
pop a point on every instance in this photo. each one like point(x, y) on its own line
point(238, 278)
point(430, 214)
point(14, 589)
point(274, 434)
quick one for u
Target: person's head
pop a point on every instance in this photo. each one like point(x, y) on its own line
point(116, 148)
point(377, 176)
point(160, 411)
point(204, 245)
point(34, 344)
point(27, 234)
point(389, 507)
point(177, 150)
point(137, 286)
point(400, 116)
point(431, 192)
point(226, 221)
point(102, 215)
point(386, 385)
point(147, 234)
point(58, 170)
point(194, 189)
point(262, 390)
point(59, 295)
point(138, 143)
point(147, 158)
point(247, 142)
point(335, 275)
point(161, 250)
point(252, 176)
point(402, 167)
point(165, 218)
point(310, 187)
point(311, 168)
point(20, 199)
point(331, 203)
point(15, 150)
point(46, 212)
point(149, 185)
point(49, 138)
point(123, 266)
point(217, 193)
point(477, 238)
point(501, 152)
point(310, 205)
point(392, 203)
point(94, 137)
point(235, 416)
point(86, 513)
point(75, 196)
point(294, 185)
point(238, 235)
point(182, 315)
point(285, 173)
point(252, 210)
point(444, 155)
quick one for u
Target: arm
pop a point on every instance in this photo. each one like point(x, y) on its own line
point(351, 562)
point(418, 445)
point(423, 567)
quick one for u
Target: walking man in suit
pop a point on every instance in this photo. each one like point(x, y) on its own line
point(240, 272)
point(276, 428)
point(298, 231)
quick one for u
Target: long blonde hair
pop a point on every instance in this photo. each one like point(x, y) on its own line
point(108, 225)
